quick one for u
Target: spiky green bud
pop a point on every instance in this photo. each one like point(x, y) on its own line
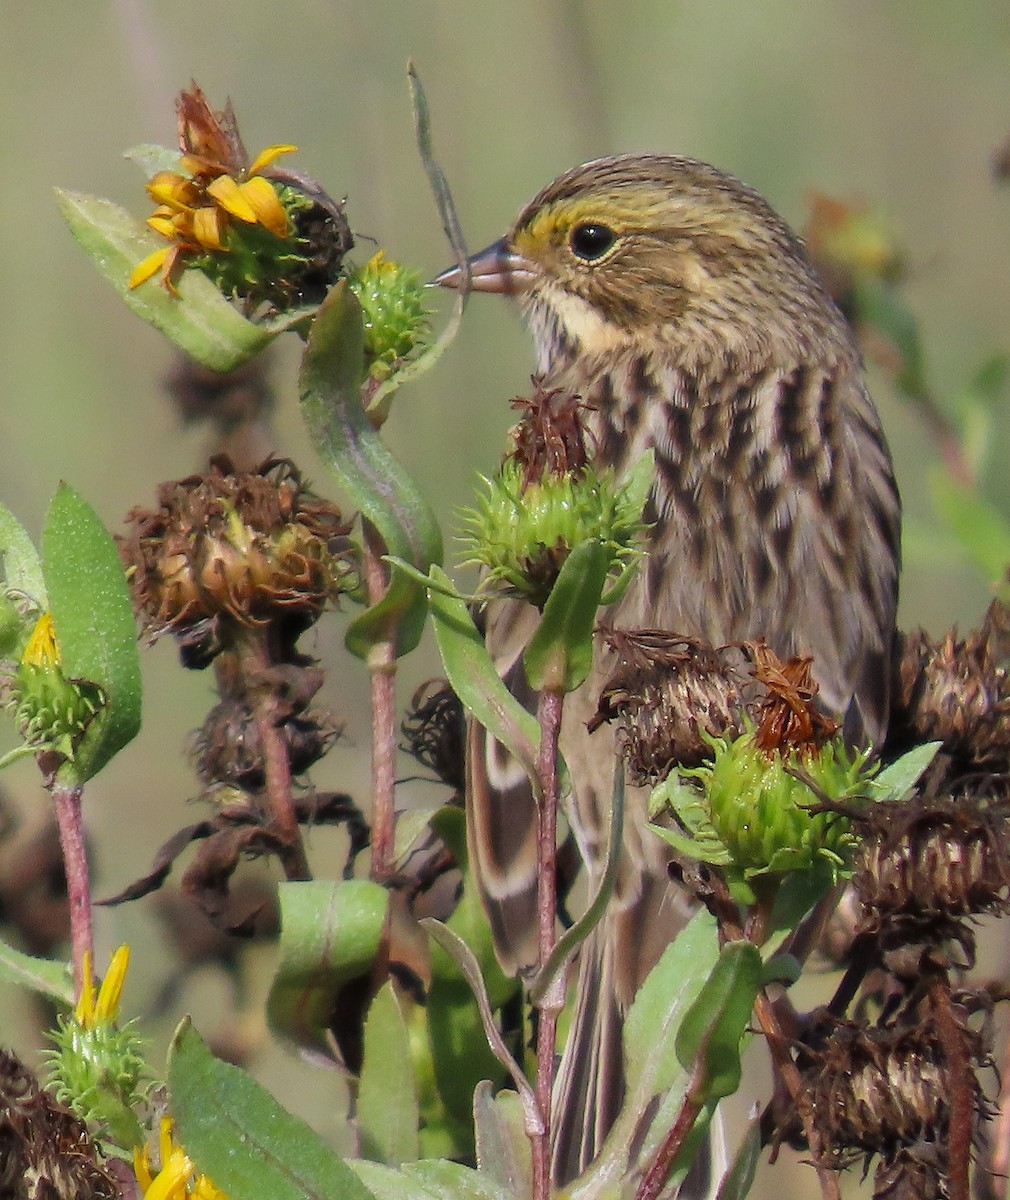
point(396, 322)
point(523, 537)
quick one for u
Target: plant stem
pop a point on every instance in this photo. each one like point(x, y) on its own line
point(382, 665)
point(549, 712)
point(277, 771)
point(67, 805)
point(658, 1170)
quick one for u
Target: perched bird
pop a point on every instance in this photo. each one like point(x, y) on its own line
point(675, 302)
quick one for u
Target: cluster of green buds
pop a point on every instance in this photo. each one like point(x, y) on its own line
point(51, 711)
point(96, 1067)
point(548, 498)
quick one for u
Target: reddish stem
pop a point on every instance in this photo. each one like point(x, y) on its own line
point(277, 771)
point(67, 805)
point(549, 712)
point(658, 1171)
point(961, 1080)
point(382, 665)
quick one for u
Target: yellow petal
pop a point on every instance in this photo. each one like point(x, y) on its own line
point(262, 199)
point(42, 651)
point(170, 1182)
point(162, 224)
point(149, 266)
point(142, 1166)
point(268, 155)
point(85, 1010)
point(226, 192)
point(208, 226)
point(168, 187)
point(112, 986)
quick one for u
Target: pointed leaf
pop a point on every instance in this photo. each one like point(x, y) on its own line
point(352, 450)
point(897, 779)
point(93, 618)
point(387, 1109)
point(22, 566)
point(237, 1134)
point(560, 653)
point(199, 320)
point(503, 1148)
point(330, 934)
point(736, 1183)
point(475, 679)
point(52, 979)
point(708, 1041)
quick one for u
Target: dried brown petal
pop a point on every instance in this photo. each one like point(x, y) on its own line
point(551, 437)
point(207, 134)
point(916, 1172)
point(787, 717)
point(228, 747)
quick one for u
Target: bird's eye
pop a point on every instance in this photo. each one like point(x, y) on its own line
point(591, 241)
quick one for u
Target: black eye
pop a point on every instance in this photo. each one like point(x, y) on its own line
point(591, 241)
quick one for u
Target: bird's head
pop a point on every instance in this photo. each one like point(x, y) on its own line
point(651, 249)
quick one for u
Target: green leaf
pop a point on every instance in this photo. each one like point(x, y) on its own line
point(982, 530)
point(330, 934)
point(21, 563)
point(460, 1054)
point(475, 679)
point(199, 320)
point(387, 1109)
point(708, 1041)
point(503, 1147)
point(238, 1135)
point(95, 631)
point(897, 779)
point(428, 1180)
point(656, 1081)
point(560, 653)
point(52, 979)
point(738, 1180)
point(352, 450)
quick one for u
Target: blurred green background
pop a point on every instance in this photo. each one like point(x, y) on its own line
point(898, 103)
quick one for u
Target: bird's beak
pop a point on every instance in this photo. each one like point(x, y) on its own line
point(495, 269)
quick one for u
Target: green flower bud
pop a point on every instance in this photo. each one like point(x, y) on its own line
point(523, 536)
point(51, 711)
point(396, 322)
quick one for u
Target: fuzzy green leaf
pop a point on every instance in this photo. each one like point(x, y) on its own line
point(199, 320)
point(708, 1041)
point(330, 934)
point(22, 566)
point(503, 1147)
point(560, 653)
point(475, 679)
point(897, 779)
point(431, 1179)
point(352, 450)
point(387, 1111)
point(238, 1135)
point(93, 618)
point(52, 979)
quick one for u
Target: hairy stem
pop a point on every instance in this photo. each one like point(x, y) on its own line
point(67, 805)
point(549, 712)
point(382, 665)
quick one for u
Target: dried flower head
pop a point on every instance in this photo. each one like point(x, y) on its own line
point(551, 436)
point(247, 547)
point(954, 691)
point(670, 696)
point(435, 731)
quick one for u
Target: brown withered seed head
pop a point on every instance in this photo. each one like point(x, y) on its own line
point(551, 436)
point(46, 1153)
point(671, 695)
point(434, 730)
point(874, 1091)
point(936, 854)
point(668, 695)
point(915, 1173)
point(250, 547)
point(954, 690)
point(228, 748)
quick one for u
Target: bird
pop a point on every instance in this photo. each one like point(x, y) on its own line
point(681, 309)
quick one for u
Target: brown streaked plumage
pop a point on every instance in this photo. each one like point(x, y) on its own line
point(673, 300)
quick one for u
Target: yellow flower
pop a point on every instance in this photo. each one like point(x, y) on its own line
point(103, 1009)
point(216, 184)
point(42, 650)
point(174, 1181)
